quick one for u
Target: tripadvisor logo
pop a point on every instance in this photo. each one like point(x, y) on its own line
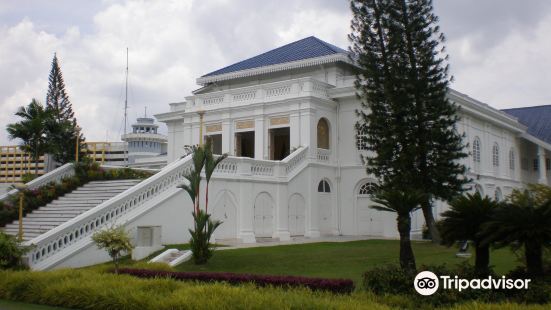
point(427, 283)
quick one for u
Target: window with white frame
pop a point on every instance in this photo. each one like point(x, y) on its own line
point(476, 150)
point(495, 155)
point(361, 137)
point(512, 159)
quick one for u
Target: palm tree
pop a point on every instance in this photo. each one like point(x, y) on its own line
point(210, 165)
point(32, 130)
point(194, 177)
point(402, 203)
point(464, 221)
point(522, 222)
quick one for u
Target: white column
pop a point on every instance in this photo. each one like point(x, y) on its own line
point(542, 171)
point(312, 206)
point(227, 137)
point(294, 124)
point(259, 138)
point(246, 201)
point(282, 214)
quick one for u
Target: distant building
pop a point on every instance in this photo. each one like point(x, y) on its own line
point(14, 163)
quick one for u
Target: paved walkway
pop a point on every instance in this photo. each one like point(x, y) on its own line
point(229, 244)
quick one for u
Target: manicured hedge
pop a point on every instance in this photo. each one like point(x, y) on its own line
point(315, 284)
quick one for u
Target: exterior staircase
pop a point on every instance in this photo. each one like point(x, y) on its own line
point(68, 206)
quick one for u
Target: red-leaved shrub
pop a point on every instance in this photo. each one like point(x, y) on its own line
point(332, 285)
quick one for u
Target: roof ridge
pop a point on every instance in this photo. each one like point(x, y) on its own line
point(530, 107)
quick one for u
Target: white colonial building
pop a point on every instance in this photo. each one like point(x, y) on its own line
point(300, 98)
point(286, 118)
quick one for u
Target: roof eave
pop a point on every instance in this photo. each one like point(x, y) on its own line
point(342, 57)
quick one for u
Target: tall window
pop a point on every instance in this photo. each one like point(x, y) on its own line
point(476, 150)
point(323, 134)
point(361, 137)
point(495, 155)
point(512, 159)
point(498, 196)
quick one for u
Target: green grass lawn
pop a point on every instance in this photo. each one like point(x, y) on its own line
point(13, 305)
point(335, 259)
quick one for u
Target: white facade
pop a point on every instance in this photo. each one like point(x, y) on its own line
point(298, 99)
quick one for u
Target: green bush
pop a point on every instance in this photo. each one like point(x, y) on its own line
point(11, 252)
point(392, 280)
point(115, 241)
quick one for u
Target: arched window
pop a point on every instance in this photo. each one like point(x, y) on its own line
point(367, 188)
point(478, 189)
point(323, 134)
point(512, 159)
point(361, 137)
point(495, 155)
point(498, 196)
point(323, 187)
point(476, 150)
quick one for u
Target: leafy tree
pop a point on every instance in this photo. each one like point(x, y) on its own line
point(33, 130)
point(402, 81)
point(204, 227)
point(64, 137)
point(464, 221)
point(115, 241)
point(402, 203)
point(523, 222)
point(11, 252)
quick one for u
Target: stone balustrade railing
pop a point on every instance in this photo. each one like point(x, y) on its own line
point(55, 175)
point(259, 93)
point(324, 155)
point(117, 208)
point(105, 214)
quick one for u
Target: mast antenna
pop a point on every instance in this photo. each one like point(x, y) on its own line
point(126, 110)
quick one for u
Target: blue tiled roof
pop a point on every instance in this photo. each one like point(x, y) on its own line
point(310, 47)
point(537, 119)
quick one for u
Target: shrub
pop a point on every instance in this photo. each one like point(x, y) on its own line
point(333, 285)
point(115, 241)
point(84, 289)
point(389, 279)
point(11, 252)
point(200, 237)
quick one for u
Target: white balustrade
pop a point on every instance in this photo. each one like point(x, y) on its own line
point(213, 100)
point(295, 159)
point(54, 176)
point(278, 91)
point(324, 155)
point(105, 214)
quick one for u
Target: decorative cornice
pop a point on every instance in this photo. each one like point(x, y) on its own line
point(274, 68)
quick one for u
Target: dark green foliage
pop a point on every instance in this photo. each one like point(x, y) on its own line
point(200, 237)
point(63, 139)
point(402, 82)
point(402, 203)
point(11, 252)
point(524, 222)
point(33, 130)
point(464, 221)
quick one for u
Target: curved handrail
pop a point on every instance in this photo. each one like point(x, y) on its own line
point(106, 213)
point(55, 175)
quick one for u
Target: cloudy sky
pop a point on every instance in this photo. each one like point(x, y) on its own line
point(500, 51)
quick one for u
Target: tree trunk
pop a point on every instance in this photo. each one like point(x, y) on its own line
point(407, 259)
point(116, 261)
point(431, 223)
point(207, 198)
point(482, 259)
point(36, 157)
point(534, 262)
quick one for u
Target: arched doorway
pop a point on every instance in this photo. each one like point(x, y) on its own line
point(296, 215)
point(323, 134)
point(263, 215)
point(324, 203)
point(224, 210)
point(369, 221)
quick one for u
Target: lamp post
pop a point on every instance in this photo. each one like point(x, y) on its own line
point(20, 187)
point(77, 143)
point(201, 114)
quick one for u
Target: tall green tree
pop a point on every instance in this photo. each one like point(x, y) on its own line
point(402, 203)
point(402, 80)
point(464, 221)
point(63, 139)
point(33, 129)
